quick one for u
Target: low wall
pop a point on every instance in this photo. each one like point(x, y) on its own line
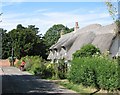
point(5, 62)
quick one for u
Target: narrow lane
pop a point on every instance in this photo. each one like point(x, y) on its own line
point(18, 82)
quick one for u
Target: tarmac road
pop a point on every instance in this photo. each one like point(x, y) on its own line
point(15, 82)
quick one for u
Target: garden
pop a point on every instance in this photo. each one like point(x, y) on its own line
point(89, 68)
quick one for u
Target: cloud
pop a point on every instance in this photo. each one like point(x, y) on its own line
point(42, 10)
point(70, 17)
point(6, 4)
point(43, 19)
point(13, 1)
point(9, 3)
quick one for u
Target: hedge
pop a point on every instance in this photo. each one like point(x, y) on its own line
point(86, 51)
point(98, 72)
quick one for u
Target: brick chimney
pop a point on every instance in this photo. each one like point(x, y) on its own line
point(76, 26)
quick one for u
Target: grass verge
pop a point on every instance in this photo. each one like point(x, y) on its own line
point(75, 87)
point(83, 90)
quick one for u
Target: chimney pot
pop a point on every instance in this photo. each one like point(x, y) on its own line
point(76, 26)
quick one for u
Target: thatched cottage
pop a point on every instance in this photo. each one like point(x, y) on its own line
point(103, 37)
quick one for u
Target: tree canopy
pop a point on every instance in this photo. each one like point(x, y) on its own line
point(53, 34)
point(24, 41)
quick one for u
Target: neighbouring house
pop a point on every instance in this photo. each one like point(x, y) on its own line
point(103, 37)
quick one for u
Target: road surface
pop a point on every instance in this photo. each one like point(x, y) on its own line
point(15, 82)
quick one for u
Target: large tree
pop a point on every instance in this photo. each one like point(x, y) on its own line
point(53, 33)
point(5, 47)
point(24, 41)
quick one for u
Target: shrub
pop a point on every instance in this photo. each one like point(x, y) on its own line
point(49, 70)
point(62, 69)
point(86, 51)
point(37, 66)
point(99, 72)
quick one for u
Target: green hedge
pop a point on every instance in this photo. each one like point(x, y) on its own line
point(86, 51)
point(36, 65)
point(99, 72)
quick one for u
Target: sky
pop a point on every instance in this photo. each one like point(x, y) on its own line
point(46, 14)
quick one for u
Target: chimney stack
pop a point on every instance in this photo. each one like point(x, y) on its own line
point(76, 26)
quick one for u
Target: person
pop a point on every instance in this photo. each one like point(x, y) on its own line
point(22, 65)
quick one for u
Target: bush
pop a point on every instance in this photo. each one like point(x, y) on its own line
point(99, 72)
point(37, 66)
point(49, 70)
point(62, 69)
point(86, 51)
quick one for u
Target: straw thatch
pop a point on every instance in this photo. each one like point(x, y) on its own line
point(102, 37)
point(103, 41)
point(82, 39)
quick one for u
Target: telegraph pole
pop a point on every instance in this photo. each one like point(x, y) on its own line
point(12, 56)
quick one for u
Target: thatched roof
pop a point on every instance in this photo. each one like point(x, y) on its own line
point(100, 36)
point(106, 29)
point(67, 40)
point(50, 56)
point(92, 27)
point(69, 43)
point(86, 29)
point(103, 41)
point(82, 39)
point(61, 40)
point(115, 46)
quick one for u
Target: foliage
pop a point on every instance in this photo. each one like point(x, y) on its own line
point(49, 70)
point(62, 69)
point(99, 72)
point(75, 87)
point(36, 65)
point(53, 34)
point(5, 45)
point(28, 41)
point(114, 13)
point(118, 60)
point(25, 41)
point(86, 50)
point(112, 9)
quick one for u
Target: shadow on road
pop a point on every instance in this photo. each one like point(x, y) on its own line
point(31, 85)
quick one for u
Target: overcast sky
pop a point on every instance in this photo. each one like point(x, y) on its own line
point(45, 14)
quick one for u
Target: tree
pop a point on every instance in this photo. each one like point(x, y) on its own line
point(53, 34)
point(113, 11)
point(5, 43)
point(24, 41)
